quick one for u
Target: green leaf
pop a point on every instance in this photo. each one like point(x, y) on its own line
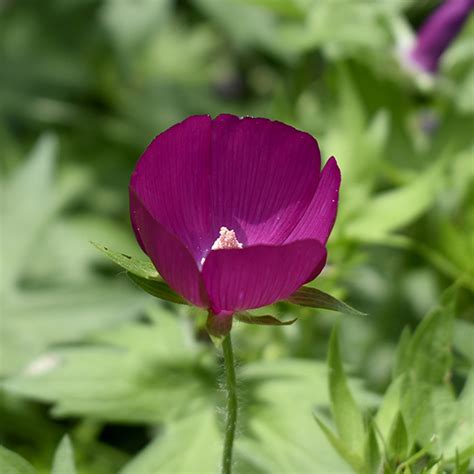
point(427, 397)
point(63, 462)
point(314, 298)
point(29, 198)
point(41, 303)
point(279, 436)
point(346, 414)
point(192, 444)
point(246, 25)
point(402, 360)
point(398, 443)
point(351, 125)
point(394, 209)
point(76, 263)
point(429, 350)
point(389, 409)
point(463, 460)
point(129, 26)
point(339, 445)
point(287, 8)
point(12, 463)
point(38, 319)
point(372, 455)
point(456, 421)
point(265, 320)
point(463, 337)
point(129, 374)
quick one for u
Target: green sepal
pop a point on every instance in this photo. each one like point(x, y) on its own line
point(218, 326)
point(137, 266)
point(314, 298)
point(264, 320)
point(158, 288)
point(143, 273)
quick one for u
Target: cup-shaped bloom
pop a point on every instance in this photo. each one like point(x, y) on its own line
point(234, 212)
point(437, 33)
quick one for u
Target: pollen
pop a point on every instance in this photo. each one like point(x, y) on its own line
point(226, 240)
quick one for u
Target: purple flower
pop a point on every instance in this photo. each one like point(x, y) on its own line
point(234, 212)
point(437, 33)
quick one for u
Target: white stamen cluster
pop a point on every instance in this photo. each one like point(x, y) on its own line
point(226, 240)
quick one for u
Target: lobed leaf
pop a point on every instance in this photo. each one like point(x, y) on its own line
point(38, 319)
point(197, 432)
point(128, 375)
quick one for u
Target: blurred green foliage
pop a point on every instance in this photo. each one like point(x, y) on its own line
point(84, 86)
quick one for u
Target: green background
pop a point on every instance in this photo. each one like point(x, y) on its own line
point(85, 85)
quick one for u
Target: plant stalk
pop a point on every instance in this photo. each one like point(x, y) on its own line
point(231, 409)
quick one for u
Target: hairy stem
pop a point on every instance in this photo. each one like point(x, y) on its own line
point(231, 409)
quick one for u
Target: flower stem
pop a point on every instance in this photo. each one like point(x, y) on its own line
point(231, 411)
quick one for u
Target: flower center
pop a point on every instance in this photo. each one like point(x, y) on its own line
point(226, 240)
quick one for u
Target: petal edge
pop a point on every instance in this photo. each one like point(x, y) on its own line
point(320, 216)
point(256, 276)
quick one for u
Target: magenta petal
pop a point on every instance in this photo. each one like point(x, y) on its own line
point(318, 220)
point(438, 32)
point(171, 179)
point(263, 175)
point(170, 257)
point(239, 279)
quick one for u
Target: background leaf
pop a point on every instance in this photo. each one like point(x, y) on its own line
point(34, 208)
point(347, 415)
point(201, 438)
point(12, 463)
point(63, 462)
point(398, 442)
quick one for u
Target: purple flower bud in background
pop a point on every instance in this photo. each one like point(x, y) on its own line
point(437, 33)
point(234, 212)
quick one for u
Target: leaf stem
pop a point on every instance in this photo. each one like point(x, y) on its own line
point(231, 410)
